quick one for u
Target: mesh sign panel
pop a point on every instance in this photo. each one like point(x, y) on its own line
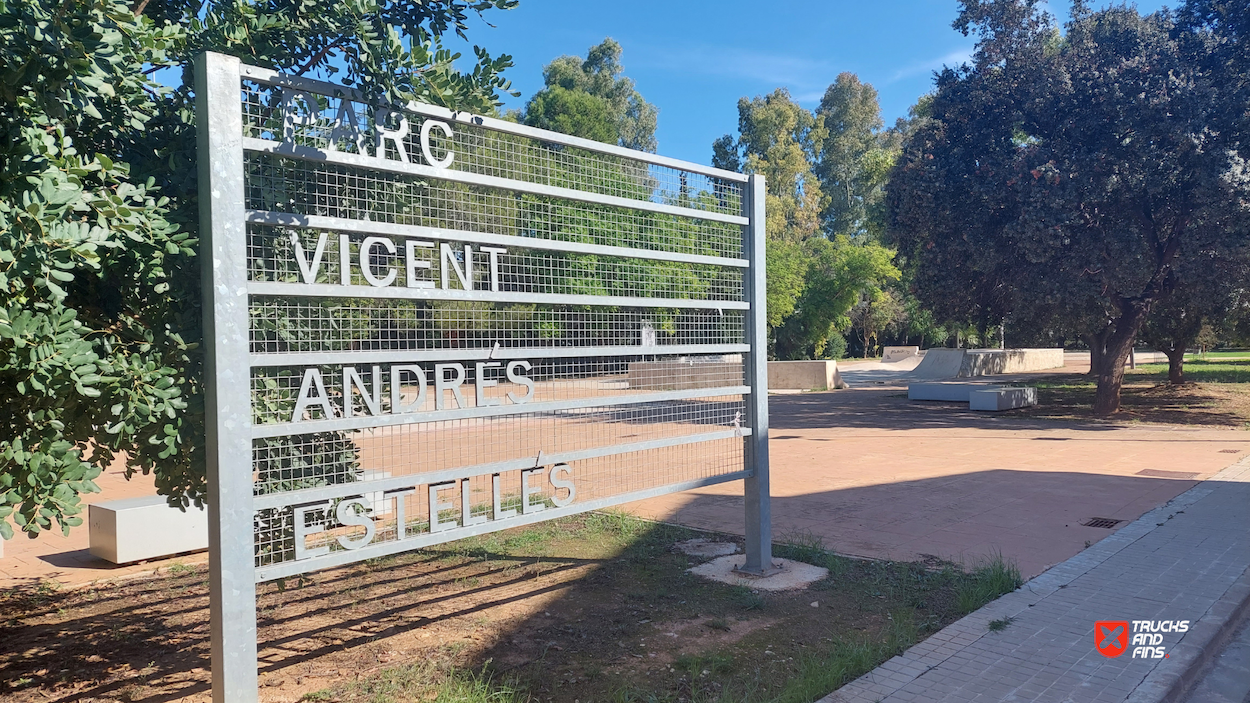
point(426, 325)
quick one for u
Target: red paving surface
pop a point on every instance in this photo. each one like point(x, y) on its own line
point(872, 475)
point(66, 559)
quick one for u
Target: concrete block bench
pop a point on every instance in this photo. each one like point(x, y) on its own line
point(950, 391)
point(134, 529)
point(1002, 399)
point(818, 375)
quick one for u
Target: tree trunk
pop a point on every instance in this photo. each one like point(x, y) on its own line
point(1095, 354)
point(1176, 362)
point(1097, 350)
point(1119, 344)
point(1176, 367)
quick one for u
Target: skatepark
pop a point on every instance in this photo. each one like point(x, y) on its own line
point(874, 474)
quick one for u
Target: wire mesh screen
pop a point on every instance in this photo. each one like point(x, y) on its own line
point(285, 254)
point(279, 183)
point(298, 325)
point(398, 399)
point(277, 114)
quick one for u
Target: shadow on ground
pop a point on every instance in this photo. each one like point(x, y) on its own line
point(560, 624)
point(1065, 403)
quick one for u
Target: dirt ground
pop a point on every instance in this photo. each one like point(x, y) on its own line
point(1147, 397)
point(592, 608)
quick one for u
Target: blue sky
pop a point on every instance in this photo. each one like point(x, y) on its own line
point(694, 58)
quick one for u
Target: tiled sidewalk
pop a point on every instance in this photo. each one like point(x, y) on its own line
point(1186, 560)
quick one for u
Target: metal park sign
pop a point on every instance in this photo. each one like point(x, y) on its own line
point(423, 325)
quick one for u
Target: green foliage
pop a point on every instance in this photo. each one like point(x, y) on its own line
point(855, 158)
point(840, 274)
point(991, 578)
point(591, 98)
point(1063, 180)
point(816, 273)
point(99, 288)
point(573, 112)
point(873, 314)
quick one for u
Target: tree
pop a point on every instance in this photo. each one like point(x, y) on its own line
point(590, 98)
point(840, 273)
point(875, 311)
point(99, 287)
point(855, 158)
point(1206, 292)
point(815, 275)
point(1069, 172)
point(779, 139)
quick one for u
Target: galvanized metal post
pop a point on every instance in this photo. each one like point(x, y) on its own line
point(759, 534)
point(223, 261)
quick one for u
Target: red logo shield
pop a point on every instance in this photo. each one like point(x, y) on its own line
point(1111, 637)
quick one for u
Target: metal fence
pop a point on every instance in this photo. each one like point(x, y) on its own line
point(425, 325)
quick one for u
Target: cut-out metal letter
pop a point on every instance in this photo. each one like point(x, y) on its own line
point(427, 152)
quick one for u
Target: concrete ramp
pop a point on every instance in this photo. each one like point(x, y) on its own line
point(990, 362)
point(940, 363)
point(870, 373)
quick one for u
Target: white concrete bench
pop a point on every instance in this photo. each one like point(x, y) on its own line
point(998, 399)
point(134, 529)
point(950, 391)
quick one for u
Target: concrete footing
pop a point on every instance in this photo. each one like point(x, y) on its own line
point(793, 574)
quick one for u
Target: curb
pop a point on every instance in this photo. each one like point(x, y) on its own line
point(1199, 647)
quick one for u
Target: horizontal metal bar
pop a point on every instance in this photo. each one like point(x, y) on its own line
point(342, 158)
point(389, 356)
point(371, 227)
point(346, 424)
point(330, 290)
point(270, 77)
point(381, 549)
point(343, 490)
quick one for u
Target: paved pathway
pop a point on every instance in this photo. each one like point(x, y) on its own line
point(872, 474)
point(55, 557)
point(1186, 560)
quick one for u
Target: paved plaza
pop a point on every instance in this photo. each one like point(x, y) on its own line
point(871, 474)
point(1184, 561)
point(874, 475)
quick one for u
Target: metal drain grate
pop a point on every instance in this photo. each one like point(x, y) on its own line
point(1101, 522)
point(1230, 451)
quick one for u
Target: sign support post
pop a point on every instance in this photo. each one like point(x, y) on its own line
point(227, 402)
point(549, 389)
point(759, 533)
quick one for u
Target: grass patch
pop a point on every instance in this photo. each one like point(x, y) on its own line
point(1213, 370)
point(597, 607)
point(1000, 624)
point(990, 579)
point(641, 629)
point(1223, 354)
point(420, 682)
